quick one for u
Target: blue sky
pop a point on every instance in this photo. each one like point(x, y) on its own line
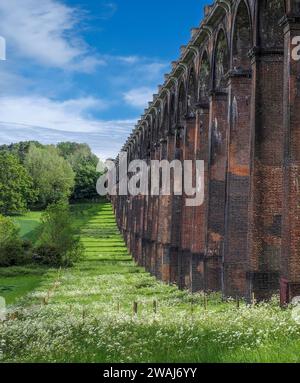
point(84, 70)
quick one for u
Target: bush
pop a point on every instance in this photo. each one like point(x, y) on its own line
point(47, 255)
point(13, 251)
point(16, 254)
point(58, 245)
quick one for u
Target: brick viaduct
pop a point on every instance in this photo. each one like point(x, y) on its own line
point(232, 100)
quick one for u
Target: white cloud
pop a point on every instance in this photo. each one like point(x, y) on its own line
point(69, 115)
point(43, 30)
point(49, 121)
point(128, 59)
point(151, 71)
point(139, 97)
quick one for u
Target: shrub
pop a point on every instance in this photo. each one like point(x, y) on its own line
point(13, 251)
point(9, 232)
point(58, 245)
point(47, 255)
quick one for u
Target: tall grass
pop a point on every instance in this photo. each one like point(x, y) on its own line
point(86, 314)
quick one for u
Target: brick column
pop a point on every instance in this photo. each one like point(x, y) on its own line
point(187, 211)
point(266, 173)
point(151, 227)
point(160, 147)
point(238, 185)
point(217, 190)
point(163, 231)
point(199, 227)
point(290, 260)
point(128, 214)
point(146, 221)
point(176, 253)
point(170, 264)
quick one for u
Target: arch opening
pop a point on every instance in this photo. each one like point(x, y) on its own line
point(165, 122)
point(241, 39)
point(192, 94)
point(270, 32)
point(182, 103)
point(204, 78)
point(221, 66)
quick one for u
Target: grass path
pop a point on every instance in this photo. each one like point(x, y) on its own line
point(88, 315)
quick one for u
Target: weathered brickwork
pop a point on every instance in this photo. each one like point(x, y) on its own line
point(232, 100)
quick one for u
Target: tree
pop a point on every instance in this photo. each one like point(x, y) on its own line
point(84, 164)
point(52, 175)
point(58, 244)
point(85, 181)
point(20, 149)
point(70, 149)
point(16, 185)
point(9, 232)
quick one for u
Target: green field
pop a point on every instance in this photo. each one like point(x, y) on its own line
point(16, 282)
point(29, 224)
point(85, 313)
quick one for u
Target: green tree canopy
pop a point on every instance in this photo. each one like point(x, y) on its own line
point(16, 185)
point(20, 149)
point(52, 175)
point(84, 164)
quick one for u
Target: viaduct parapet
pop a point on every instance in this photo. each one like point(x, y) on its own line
point(232, 100)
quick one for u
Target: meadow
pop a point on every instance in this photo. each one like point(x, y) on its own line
point(15, 282)
point(107, 309)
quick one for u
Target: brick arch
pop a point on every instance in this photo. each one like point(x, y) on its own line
point(192, 91)
point(148, 134)
point(144, 128)
point(139, 142)
point(220, 60)
point(204, 77)
point(165, 116)
point(269, 13)
point(181, 102)
point(159, 115)
point(242, 38)
point(172, 110)
point(153, 125)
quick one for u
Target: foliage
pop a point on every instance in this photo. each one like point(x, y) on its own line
point(58, 245)
point(20, 149)
point(48, 255)
point(16, 185)
point(85, 181)
point(72, 150)
point(84, 164)
point(52, 175)
point(50, 167)
point(13, 251)
point(9, 232)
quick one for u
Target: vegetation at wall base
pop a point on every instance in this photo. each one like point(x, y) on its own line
point(87, 313)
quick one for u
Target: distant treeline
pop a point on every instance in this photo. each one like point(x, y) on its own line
point(33, 176)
